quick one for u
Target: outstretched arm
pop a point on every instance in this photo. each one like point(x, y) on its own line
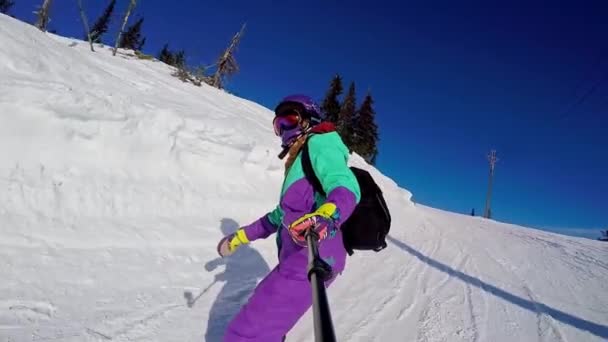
point(260, 229)
point(264, 226)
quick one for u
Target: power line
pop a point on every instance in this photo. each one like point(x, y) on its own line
point(583, 98)
point(492, 155)
point(588, 76)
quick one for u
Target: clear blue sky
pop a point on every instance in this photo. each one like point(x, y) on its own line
point(451, 81)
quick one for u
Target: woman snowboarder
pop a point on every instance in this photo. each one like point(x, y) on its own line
point(284, 295)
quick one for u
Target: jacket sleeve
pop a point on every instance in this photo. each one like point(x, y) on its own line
point(264, 226)
point(329, 159)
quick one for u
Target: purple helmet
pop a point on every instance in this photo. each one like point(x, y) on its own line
point(304, 104)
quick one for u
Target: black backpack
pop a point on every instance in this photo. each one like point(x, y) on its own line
point(367, 227)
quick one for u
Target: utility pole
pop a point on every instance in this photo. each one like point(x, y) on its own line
point(492, 159)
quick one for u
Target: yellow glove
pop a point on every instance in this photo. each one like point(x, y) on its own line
point(230, 243)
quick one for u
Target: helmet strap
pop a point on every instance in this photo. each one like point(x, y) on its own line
point(285, 150)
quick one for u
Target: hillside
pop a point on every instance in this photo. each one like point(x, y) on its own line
point(118, 180)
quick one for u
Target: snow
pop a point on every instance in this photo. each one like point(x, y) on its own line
point(118, 180)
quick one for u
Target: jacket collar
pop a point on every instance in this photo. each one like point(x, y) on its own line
point(323, 127)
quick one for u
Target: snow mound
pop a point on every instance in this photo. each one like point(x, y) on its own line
point(118, 179)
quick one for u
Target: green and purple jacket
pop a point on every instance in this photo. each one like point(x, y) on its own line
point(329, 158)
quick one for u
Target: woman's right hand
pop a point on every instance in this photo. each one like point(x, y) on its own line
point(228, 245)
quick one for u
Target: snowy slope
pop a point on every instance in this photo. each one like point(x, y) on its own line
point(117, 180)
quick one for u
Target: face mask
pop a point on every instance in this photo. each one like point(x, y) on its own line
point(289, 136)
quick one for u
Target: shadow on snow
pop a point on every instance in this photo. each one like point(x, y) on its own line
point(240, 276)
point(536, 307)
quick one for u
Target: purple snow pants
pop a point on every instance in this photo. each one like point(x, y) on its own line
point(275, 307)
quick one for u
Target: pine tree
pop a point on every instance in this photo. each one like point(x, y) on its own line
point(347, 115)
point(141, 44)
point(101, 25)
point(366, 131)
point(131, 39)
point(374, 156)
point(5, 6)
point(179, 59)
point(166, 56)
point(176, 59)
point(330, 105)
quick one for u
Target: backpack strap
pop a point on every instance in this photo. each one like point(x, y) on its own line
point(310, 175)
point(309, 172)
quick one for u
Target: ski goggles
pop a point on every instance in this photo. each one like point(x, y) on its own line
point(287, 121)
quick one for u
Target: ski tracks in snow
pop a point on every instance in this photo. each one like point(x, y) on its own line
point(391, 298)
point(38, 317)
point(418, 302)
point(478, 312)
point(25, 311)
point(547, 328)
point(440, 308)
point(136, 325)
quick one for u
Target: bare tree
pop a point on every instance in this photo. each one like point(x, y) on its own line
point(226, 64)
point(124, 23)
point(86, 24)
point(43, 15)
